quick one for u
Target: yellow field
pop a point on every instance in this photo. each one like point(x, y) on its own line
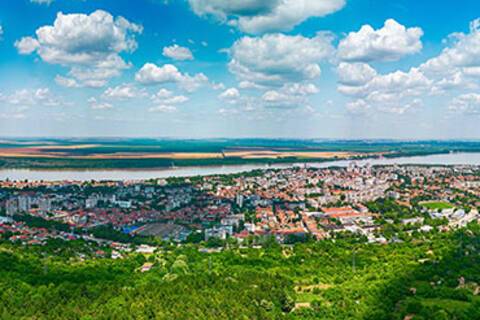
point(64, 152)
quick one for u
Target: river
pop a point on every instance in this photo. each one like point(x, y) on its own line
point(143, 174)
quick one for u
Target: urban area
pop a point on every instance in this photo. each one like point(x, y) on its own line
point(377, 204)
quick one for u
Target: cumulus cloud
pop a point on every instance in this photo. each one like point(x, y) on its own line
point(355, 74)
point(124, 92)
point(27, 45)
point(456, 70)
point(151, 74)
point(394, 92)
point(89, 44)
point(358, 106)
point(249, 85)
point(99, 105)
point(260, 16)
point(177, 52)
point(32, 98)
point(458, 65)
point(175, 100)
point(66, 82)
point(230, 94)
point(392, 42)
point(162, 94)
point(412, 83)
point(275, 59)
point(218, 86)
point(165, 101)
point(468, 103)
point(289, 96)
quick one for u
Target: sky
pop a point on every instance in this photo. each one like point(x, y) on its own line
point(336, 69)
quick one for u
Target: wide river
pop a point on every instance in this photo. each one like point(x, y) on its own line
point(119, 174)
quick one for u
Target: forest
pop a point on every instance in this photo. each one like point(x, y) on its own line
point(429, 276)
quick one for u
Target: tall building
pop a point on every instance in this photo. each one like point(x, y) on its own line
point(239, 200)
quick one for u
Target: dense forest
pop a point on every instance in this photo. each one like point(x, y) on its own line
point(431, 276)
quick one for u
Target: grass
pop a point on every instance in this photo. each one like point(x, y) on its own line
point(437, 205)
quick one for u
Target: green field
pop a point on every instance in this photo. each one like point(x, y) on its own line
point(436, 205)
point(91, 149)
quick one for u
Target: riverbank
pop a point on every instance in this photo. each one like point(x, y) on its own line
point(466, 158)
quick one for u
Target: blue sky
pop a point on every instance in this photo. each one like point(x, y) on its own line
point(240, 68)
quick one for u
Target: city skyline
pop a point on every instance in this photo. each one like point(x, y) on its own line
point(334, 69)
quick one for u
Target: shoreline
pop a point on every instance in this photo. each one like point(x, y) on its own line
point(196, 163)
point(112, 174)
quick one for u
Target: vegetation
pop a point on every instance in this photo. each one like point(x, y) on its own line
point(434, 276)
point(145, 146)
point(436, 205)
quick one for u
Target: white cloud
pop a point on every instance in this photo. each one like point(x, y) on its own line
point(152, 74)
point(355, 74)
point(163, 108)
point(394, 92)
point(98, 105)
point(218, 86)
point(230, 94)
point(175, 100)
point(1, 32)
point(27, 45)
point(411, 83)
point(274, 59)
point(47, 2)
point(89, 44)
point(358, 107)
point(389, 43)
point(32, 97)
point(249, 85)
point(123, 92)
point(301, 89)
point(162, 94)
point(458, 65)
point(289, 96)
point(166, 97)
point(13, 116)
point(66, 82)
point(456, 69)
point(228, 111)
point(468, 103)
point(177, 52)
point(259, 16)
point(278, 99)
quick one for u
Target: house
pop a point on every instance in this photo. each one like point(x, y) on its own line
point(147, 266)
point(145, 249)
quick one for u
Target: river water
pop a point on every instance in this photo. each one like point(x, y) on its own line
point(143, 174)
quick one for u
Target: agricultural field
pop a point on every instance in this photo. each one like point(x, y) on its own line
point(158, 153)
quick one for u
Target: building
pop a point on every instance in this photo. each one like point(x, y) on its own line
point(221, 232)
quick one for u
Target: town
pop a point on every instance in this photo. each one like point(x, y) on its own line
point(378, 204)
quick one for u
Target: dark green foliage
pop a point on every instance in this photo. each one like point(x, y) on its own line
point(435, 278)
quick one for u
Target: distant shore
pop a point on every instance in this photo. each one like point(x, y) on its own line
point(112, 174)
point(68, 154)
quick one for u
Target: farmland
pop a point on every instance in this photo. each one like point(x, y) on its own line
point(160, 153)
